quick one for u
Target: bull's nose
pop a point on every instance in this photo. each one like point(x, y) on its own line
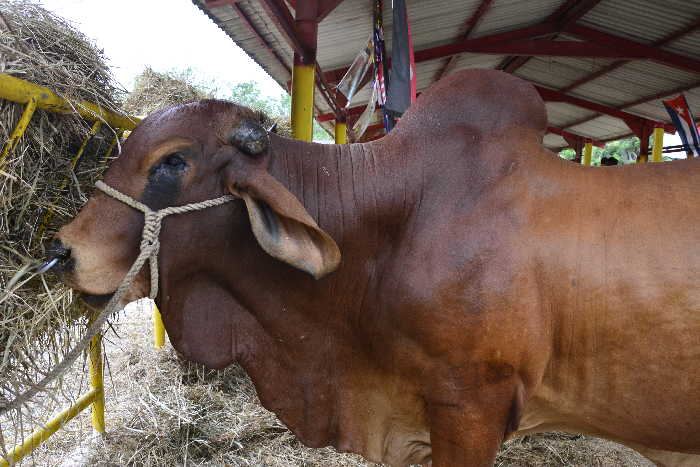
point(58, 254)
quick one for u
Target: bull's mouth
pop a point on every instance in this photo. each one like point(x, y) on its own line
point(96, 301)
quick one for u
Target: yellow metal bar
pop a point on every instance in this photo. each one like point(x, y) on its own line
point(657, 149)
point(587, 153)
point(49, 212)
point(42, 434)
point(158, 328)
point(341, 132)
point(20, 91)
point(302, 102)
point(97, 383)
point(17, 133)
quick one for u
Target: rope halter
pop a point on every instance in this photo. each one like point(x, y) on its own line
point(150, 242)
point(150, 245)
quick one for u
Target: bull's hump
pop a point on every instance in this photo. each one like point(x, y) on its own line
point(486, 100)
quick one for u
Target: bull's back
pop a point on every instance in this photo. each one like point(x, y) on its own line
point(621, 260)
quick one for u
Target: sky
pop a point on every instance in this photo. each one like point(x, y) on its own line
point(165, 35)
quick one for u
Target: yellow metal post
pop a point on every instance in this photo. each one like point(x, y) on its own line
point(341, 132)
point(587, 153)
point(158, 328)
point(97, 383)
point(302, 102)
point(657, 149)
point(42, 434)
point(17, 133)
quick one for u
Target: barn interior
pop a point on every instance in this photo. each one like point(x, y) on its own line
point(601, 66)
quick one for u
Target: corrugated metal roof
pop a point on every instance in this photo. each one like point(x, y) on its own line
point(344, 32)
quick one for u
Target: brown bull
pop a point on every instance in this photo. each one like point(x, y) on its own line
point(486, 289)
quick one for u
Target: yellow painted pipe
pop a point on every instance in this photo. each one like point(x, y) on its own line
point(42, 434)
point(158, 328)
point(21, 91)
point(74, 161)
point(97, 383)
point(657, 149)
point(302, 102)
point(17, 133)
point(587, 153)
point(341, 132)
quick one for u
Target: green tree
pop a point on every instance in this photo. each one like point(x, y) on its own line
point(624, 150)
point(248, 93)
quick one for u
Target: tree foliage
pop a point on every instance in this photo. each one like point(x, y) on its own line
point(624, 150)
point(248, 93)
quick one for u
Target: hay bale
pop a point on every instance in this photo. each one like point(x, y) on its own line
point(38, 318)
point(156, 91)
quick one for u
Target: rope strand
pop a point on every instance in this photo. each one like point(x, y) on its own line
point(150, 246)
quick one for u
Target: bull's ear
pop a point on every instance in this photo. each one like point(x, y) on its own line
point(283, 228)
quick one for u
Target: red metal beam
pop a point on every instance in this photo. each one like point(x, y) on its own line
point(470, 44)
point(251, 27)
point(471, 23)
point(280, 15)
point(568, 13)
point(630, 119)
point(300, 33)
point(350, 112)
point(544, 48)
point(325, 7)
point(635, 48)
point(642, 100)
point(615, 65)
point(567, 135)
point(333, 76)
point(571, 11)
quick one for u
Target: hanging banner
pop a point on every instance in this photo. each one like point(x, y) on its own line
point(402, 87)
point(685, 124)
point(354, 78)
point(379, 63)
point(363, 122)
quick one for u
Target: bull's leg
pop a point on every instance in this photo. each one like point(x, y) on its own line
point(471, 433)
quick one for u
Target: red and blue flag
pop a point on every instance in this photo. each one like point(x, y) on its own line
point(685, 124)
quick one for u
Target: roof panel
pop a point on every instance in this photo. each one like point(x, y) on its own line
point(559, 72)
point(437, 22)
point(507, 15)
point(645, 21)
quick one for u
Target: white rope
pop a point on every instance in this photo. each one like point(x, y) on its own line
point(149, 247)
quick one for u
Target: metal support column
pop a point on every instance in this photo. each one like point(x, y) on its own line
point(644, 134)
point(302, 101)
point(588, 153)
point(158, 328)
point(657, 149)
point(97, 383)
point(303, 74)
point(341, 132)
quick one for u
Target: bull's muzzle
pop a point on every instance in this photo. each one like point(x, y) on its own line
point(58, 258)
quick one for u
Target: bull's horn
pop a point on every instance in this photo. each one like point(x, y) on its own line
point(250, 138)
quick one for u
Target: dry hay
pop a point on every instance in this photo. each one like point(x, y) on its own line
point(156, 91)
point(38, 316)
point(162, 411)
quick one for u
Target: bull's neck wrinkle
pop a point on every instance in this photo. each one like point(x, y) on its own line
point(341, 186)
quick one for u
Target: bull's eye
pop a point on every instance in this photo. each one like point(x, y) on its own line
point(174, 161)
